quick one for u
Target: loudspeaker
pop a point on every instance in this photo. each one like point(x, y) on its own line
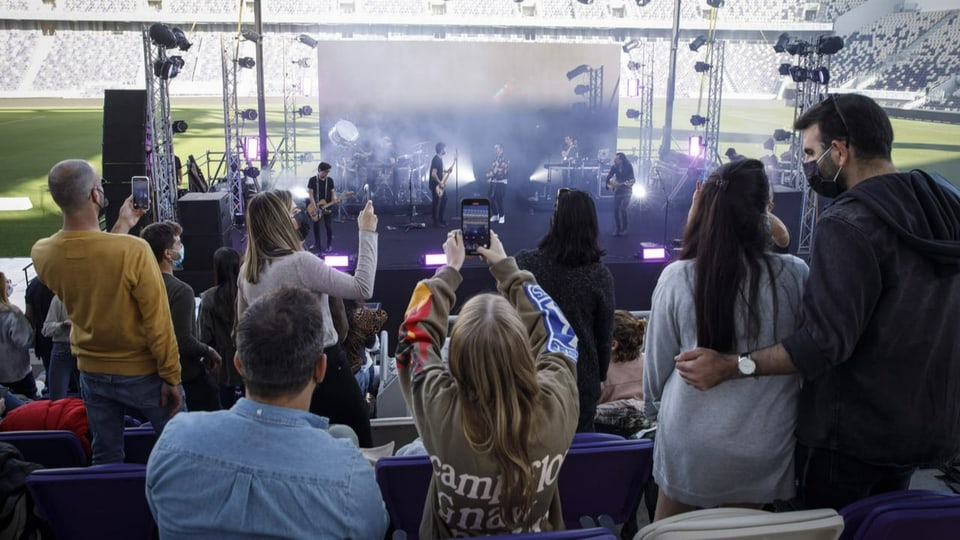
point(205, 218)
point(124, 121)
point(123, 172)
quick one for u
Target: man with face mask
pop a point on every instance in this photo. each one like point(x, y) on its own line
point(121, 330)
point(196, 357)
point(877, 339)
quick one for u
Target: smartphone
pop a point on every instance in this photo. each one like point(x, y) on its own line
point(475, 224)
point(141, 192)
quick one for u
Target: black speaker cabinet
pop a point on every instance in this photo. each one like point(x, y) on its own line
point(124, 144)
point(206, 222)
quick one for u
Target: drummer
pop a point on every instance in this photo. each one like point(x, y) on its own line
point(385, 156)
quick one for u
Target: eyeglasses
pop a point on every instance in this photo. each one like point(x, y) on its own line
point(843, 120)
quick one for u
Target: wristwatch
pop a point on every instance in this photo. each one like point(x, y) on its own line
point(746, 365)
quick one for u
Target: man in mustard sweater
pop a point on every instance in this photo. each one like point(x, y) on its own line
point(111, 286)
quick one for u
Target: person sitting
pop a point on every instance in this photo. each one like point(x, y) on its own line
point(501, 416)
point(270, 466)
point(620, 409)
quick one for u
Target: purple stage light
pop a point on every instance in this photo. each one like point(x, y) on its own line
point(434, 259)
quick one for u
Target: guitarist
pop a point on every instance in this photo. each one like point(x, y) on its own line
point(438, 184)
point(620, 181)
point(322, 191)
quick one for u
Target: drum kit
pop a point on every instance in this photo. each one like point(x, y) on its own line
point(398, 181)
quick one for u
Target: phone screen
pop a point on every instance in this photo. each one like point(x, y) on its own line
point(141, 192)
point(475, 224)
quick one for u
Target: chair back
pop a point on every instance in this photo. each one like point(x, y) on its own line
point(604, 479)
point(138, 443)
point(404, 481)
point(594, 437)
point(910, 514)
point(101, 501)
point(593, 533)
point(53, 449)
point(745, 523)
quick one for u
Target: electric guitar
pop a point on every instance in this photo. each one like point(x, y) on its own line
point(446, 176)
point(612, 183)
point(322, 207)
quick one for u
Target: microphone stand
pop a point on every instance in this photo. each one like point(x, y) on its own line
point(456, 179)
point(411, 224)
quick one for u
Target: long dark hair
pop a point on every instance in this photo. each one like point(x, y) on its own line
point(728, 239)
point(573, 236)
point(226, 269)
point(625, 166)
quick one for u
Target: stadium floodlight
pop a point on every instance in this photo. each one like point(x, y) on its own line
point(182, 42)
point(697, 120)
point(162, 36)
point(642, 3)
point(577, 71)
point(251, 35)
point(781, 135)
point(784, 69)
point(798, 74)
point(698, 42)
point(782, 41)
point(829, 45)
point(715, 4)
point(581, 89)
point(702, 67)
point(630, 45)
point(585, 2)
point(307, 40)
point(246, 62)
point(169, 68)
point(179, 126)
point(821, 75)
point(306, 110)
point(249, 114)
point(633, 114)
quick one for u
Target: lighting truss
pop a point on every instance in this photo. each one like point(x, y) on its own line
point(232, 143)
point(160, 165)
point(809, 93)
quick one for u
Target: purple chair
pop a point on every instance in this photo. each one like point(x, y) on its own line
point(594, 437)
point(404, 481)
point(909, 515)
point(594, 533)
point(50, 448)
point(101, 501)
point(604, 480)
point(138, 443)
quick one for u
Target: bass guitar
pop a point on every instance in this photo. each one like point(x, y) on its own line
point(446, 176)
point(322, 207)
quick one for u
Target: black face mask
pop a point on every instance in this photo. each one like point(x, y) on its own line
point(827, 188)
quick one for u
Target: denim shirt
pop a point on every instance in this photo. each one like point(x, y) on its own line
point(258, 471)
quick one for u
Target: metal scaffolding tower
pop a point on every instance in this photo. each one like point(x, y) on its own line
point(160, 162)
point(715, 57)
point(232, 143)
point(641, 63)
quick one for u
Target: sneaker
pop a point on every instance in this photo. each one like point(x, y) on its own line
point(502, 219)
point(494, 217)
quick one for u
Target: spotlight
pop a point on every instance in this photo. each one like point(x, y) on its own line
point(695, 145)
point(702, 67)
point(251, 172)
point(179, 126)
point(630, 45)
point(697, 120)
point(798, 48)
point(638, 191)
point(781, 135)
point(585, 2)
point(433, 259)
point(308, 41)
point(798, 74)
point(784, 69)
point(829, 45)
point(634, 66)
point(821, 75)
point(249, 114)
point(251, 149)
point(306, 110)
point(338, 261)
point(782, 41)
point(169, 68)
point(633, 114)
point(715, 4)
point(303, 62)
point(162, 36)
point(641, 3)
point(182, 42)
point(577, 71)
point(652, 252)
point(246, 62)
point(581, 89)
point(768, 144)
point(698, 42)
point(250, 35)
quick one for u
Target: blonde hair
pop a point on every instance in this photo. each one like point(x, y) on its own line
point(628, 332)
point(491, 361)
point(270, 233)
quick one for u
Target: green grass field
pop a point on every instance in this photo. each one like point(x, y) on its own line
point(36, 137)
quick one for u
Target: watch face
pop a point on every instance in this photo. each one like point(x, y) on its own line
point(747, 365)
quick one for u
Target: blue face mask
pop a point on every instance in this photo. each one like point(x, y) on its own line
point(183, 255)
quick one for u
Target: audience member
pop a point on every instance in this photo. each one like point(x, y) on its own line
point(729, 292)
point(218, 310)
point(196, 357)
point(269, 466)
point(62, 376)
point(567, 265)
point(275, 258)
point(779, 234)
point(38, 297)
point(16, 335)
point(620, 409)
point(121, 332)
point(876, 343)
point(502, 415)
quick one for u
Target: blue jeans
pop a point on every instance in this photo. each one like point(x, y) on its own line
point(829, 479)
point(63, 370)
point(107, 398)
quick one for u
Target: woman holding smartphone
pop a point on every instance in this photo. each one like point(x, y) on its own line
point(275, 258)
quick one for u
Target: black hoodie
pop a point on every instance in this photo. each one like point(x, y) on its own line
point(878, 343)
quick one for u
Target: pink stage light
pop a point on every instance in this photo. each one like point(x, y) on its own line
point(337, 261)
point(434, 259)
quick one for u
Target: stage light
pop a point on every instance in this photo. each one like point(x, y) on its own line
point(162, 36)
point(630, 45)
point(246, 62)
point(179, 126)
point(702, 67)
point(308, 41)
point(695, 145)
point(652, 252)
point(577, 71)
point(782, 41)
point(768, 144)
point(821, 75)
point(249, 114)
point(251, 172)
point(716, 4)
point(799, 48)
point(639, 191)
point(781, 135)
point(581, 89)
point(642, 3)
point(634, 66)
point(633, 114)
point(182, 42)
point(698, 42)
point(798, 74)
point(306, 110)
point(697, 120)
point(784, 69)
point(829, 45)
point(251, 148)
point(433, 259)
point(585, 2)
point(302, 62)
point(169, 68)
point(250, 35)
point(337, 261)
